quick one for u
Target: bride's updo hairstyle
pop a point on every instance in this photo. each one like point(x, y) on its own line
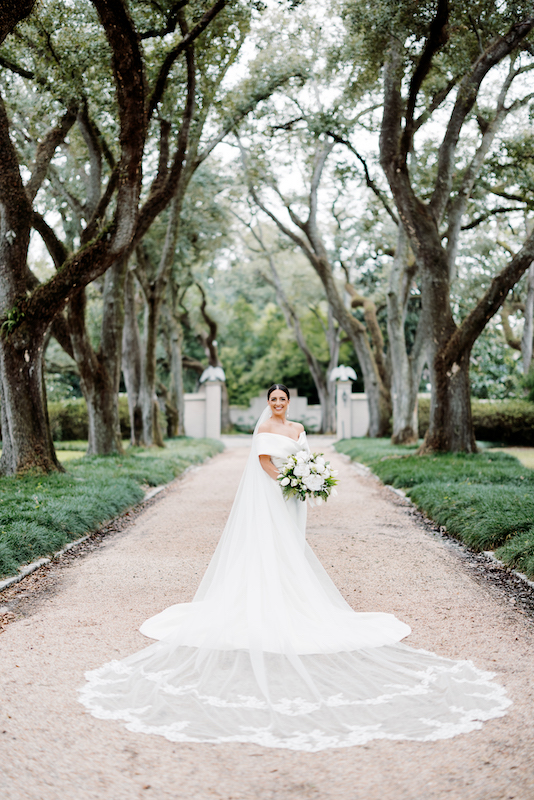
point(276, 386)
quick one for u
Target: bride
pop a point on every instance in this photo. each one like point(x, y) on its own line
point(270, 653)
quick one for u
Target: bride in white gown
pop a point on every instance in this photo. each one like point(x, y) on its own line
point(270, 653)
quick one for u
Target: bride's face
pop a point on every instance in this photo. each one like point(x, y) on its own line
point(278, 402)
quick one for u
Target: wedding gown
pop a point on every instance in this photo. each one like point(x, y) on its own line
point(270, 653)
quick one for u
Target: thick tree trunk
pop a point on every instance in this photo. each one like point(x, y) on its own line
point(528, 329)
point(100, 371)
point(100, 394)
point(405, 424)
point(157, 433)
point(226, 421)
point(26, 440)
point(405, 369)
point(131, 360)
point(328, 405)
point(450, 427)
point(378, 396)
point(175, 335)
point(334, 341)
point(177, 382)
point(373, 328)
point(107, 422)
point(151, 433)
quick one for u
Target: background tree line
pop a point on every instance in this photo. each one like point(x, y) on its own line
point(273, 188)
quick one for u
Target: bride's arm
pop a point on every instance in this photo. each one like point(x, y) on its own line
point(269, 467)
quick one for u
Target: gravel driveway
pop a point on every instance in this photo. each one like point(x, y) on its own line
point(382, 559)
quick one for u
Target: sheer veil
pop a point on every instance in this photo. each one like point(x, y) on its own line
point(235, 534)
point(269, 652)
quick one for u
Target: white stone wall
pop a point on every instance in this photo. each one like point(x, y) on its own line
point(359, 414)
point(299, 410)
point(202, 412)
point(352, 411)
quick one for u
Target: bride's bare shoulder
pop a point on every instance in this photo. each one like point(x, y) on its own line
point(266, 427)
point(298, 427)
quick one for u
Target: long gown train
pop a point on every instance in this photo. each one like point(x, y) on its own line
point(270, 653)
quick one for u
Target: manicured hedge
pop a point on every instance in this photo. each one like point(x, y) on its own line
point(503, 421)
point(485, 499)
point(68, 419)
point(39, 514)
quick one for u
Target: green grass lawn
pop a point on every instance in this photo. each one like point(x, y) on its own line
point(524, 454)
point(485, 500)
point(39, 514)
point(69, 455)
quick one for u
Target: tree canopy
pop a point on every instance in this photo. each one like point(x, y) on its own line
point(269, 187)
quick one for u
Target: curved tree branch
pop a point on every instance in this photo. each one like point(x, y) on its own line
point(371, 184)
point(93, 260)
point(46, 149)
point(171, 57)
point(170, 27)
point(467, 93)
point(437, 37)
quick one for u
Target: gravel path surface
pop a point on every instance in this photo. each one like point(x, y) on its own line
point(381, 557)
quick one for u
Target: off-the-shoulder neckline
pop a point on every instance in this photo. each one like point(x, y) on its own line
point(282, 435)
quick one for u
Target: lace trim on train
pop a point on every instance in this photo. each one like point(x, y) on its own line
point(467, 721)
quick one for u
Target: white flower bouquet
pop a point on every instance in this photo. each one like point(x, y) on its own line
point(308, 476)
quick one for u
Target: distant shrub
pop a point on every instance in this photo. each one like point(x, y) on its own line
point(423, 415)
point(69, 420)
point(506, 421)
point(528, 384)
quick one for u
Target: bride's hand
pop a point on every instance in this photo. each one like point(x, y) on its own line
point(269, 467)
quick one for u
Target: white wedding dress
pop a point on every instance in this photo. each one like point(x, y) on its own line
point(270, 653)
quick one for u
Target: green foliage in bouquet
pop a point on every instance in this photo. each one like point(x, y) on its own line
point(308, 475)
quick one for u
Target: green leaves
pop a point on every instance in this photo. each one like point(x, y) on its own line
point(12, 319)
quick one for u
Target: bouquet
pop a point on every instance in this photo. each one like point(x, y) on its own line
point(308, 475)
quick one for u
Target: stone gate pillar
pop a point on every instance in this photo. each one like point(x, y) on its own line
point(343, 409)
point(213, 409)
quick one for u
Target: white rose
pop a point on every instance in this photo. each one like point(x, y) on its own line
point(320, 468)
point(313, 482)
point(284, 482)
point(294, 482)
point(302, 470)
point(320, 460)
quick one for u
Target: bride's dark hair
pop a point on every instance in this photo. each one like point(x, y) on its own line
point(277, 386)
